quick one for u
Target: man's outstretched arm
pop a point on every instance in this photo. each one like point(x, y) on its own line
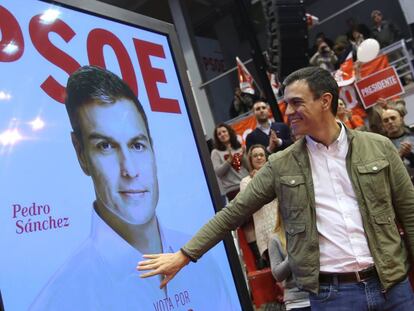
point(259, 192)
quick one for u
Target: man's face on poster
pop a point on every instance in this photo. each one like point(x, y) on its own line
point(117, 153)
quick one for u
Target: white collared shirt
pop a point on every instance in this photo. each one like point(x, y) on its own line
point(342, 241)
point(265, 130)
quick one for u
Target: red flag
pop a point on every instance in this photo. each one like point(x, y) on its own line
point(345, 75)
point(274, 83)
point(311, 20)
point(245, 78)
point(378, 63)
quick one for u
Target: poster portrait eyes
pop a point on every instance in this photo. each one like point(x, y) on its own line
point(84, 195)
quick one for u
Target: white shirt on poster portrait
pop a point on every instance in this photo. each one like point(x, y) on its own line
point(101, 275)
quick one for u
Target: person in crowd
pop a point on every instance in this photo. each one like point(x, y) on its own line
point(401, 136)
point(324, 58)
point(114, 147)
point(347, 43)
point(351, 121)
point(357, 37)
point(341, 50)
point(242, 103)
point(319, 38)
point(353, 25)
point(375, 113)
point(385, 32)
point(375, 116)
point(294, 298)
point(265, 218)
point(229, 161)
point(275, 136)
point(340, 192)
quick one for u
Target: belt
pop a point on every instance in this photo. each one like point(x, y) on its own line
point(349, 277)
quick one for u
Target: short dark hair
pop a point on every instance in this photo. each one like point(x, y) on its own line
point(92, 84)
point(235, 144)
point(319, 81)
point(259, 100)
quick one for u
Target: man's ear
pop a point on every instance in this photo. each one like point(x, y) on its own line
point(79, 153)
point(326, 101)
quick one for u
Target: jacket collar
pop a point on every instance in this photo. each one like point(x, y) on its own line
point(300, 149)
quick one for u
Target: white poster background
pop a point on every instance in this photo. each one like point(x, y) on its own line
point(42, 167)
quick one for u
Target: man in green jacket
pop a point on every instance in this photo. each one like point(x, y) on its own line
point(340, 194)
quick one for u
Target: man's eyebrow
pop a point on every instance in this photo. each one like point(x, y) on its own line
point(139, 137)
point(94, 135)
point(293, 99)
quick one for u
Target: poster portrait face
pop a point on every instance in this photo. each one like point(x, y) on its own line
point(120, 159)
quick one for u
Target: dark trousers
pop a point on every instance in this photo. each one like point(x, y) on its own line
point(363, 296)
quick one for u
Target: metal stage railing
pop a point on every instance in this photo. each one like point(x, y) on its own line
point(400, 58)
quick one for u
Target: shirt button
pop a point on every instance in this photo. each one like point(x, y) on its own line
point(375, 168)
point(292, 182)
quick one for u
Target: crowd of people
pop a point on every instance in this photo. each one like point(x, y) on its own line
point(329, 54)
point(340, 199)
point(326, 202)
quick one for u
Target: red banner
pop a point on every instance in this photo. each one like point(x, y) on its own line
point(244, 126)
point(382, 84)
point(380, 62)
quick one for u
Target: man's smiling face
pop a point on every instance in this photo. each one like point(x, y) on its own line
point(303, 110)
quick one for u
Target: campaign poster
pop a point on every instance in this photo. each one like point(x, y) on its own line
point(66, 198)
point(381, 84)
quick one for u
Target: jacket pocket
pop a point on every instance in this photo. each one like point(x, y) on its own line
point(386, 226)
point(373, 178)
point(296, 236)
point(387, 235)
point(293, 196)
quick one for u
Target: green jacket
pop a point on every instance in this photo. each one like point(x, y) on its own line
point(384, 192)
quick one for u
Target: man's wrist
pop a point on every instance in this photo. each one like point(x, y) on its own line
point(187, 256)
